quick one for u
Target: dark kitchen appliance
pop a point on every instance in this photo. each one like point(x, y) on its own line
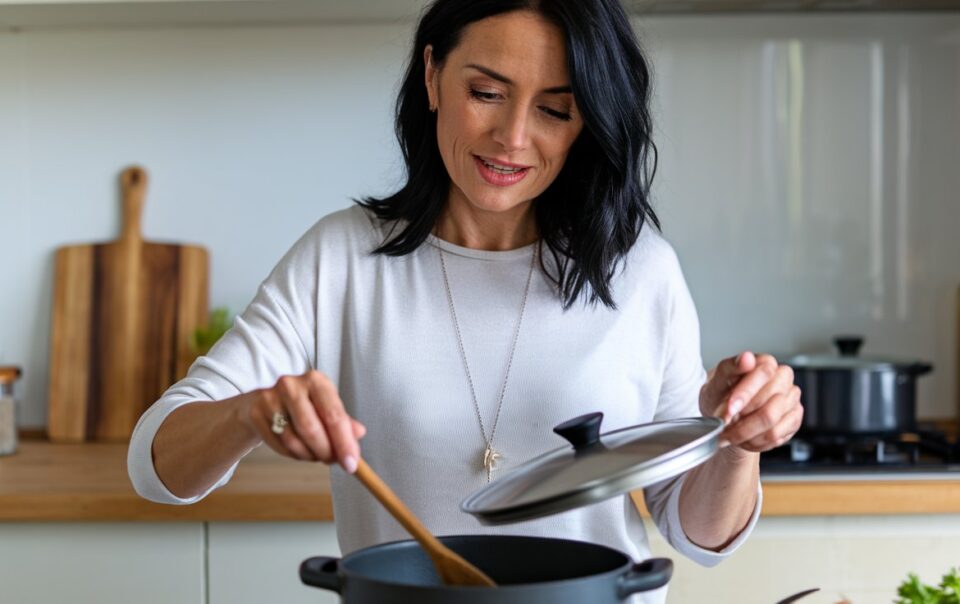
point(853, 394)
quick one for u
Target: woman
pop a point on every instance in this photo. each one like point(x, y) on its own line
point(514, 282)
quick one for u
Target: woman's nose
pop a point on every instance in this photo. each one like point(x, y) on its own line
point(511, 132)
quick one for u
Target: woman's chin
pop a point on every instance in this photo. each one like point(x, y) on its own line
point(497, 203)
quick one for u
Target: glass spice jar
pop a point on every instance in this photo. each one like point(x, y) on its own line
point(8, 410)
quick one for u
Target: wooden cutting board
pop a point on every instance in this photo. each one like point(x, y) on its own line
point(123, 314)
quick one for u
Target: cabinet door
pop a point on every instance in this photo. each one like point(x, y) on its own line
point(109, 563)
point(259, 562)
point(860, 559)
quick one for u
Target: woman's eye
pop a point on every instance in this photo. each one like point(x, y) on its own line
point(482, 95)
point(560, 115)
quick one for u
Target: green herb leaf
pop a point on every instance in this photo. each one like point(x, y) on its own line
point(204, 338)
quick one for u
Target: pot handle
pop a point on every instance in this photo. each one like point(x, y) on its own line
point(322, 572)
point(920, 368)
point(647, 575)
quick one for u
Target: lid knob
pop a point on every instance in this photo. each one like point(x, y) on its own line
point(849, 346)
point(582, 432)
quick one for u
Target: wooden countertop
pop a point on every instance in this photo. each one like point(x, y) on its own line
point(88, 482)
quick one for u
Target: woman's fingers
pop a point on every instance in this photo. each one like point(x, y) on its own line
point(775, 420)
point(295, 395)
point(741, 397)
point(318, 427)
point(286, 443)
point(339, 426)
point(779, 435)
point(781, 381)
point(719, 381)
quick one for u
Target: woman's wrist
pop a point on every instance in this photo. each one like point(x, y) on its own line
point(736, 456)
point(240, 414)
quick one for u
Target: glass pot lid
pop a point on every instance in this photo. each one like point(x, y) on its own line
point(594, 467)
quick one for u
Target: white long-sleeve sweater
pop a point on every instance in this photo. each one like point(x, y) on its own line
point(381, 329)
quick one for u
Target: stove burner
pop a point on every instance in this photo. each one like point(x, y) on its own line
point(924, 449)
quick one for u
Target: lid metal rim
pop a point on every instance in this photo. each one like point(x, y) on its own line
point(853, 364)
point(682, 459)
point(581, 497)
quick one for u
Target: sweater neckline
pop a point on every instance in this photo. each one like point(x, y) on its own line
point(496, 255)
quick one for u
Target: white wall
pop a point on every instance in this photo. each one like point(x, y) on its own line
point(808, 170)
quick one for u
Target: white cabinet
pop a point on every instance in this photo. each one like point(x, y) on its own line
point(113, 563)
point(858, 558)
point(251, 563)
point(162, 563)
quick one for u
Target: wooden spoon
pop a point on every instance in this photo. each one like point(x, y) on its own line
point(452, 568)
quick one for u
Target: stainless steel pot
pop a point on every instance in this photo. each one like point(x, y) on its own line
point(850, 394)
point(527, 570)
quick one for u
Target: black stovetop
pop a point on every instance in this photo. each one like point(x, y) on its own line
point(925, 450)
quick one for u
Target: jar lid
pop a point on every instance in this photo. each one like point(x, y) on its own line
point(594, 467)
point(9, 373)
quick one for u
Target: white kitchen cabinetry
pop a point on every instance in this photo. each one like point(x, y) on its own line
point(161, 563)
point(102, 563)
point(860, 559)
point(259, 562)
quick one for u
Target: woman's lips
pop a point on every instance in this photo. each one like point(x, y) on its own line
point(506, 175)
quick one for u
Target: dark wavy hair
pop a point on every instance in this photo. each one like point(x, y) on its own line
point(592, 214)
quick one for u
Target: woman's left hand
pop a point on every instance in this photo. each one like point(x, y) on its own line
point(756, 398)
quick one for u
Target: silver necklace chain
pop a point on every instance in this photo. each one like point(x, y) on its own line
point(490, 455)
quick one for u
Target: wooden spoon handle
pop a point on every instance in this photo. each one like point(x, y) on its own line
point(396, 507)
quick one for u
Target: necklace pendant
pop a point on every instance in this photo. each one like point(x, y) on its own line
point(491, 457)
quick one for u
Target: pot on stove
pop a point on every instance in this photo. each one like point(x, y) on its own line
point(852, 394)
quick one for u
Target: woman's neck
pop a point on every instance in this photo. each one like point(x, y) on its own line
point(465, 226)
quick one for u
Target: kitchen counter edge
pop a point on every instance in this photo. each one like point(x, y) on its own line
point(88, 482)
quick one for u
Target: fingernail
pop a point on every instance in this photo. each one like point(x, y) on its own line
point(739, 358)
point(723, 443)
point(350, 464)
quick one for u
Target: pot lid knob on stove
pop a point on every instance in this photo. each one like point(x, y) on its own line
point(849, 346)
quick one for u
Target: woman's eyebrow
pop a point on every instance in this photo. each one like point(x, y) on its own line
point(502, 78)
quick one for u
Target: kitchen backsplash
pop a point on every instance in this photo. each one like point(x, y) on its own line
point(808, 176)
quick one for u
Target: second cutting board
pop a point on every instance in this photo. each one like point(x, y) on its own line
point(123, 314)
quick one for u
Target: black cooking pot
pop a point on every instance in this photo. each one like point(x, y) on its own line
point(850, 394)
point(527, 570)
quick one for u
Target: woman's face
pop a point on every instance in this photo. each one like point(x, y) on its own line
point(506, 116)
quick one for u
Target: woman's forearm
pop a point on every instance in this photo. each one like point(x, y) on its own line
point(718, 498)
point(199, 442)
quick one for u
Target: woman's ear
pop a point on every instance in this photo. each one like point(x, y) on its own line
point(431, 77)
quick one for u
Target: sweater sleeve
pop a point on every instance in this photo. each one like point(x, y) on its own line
point(683, 377)
point(272, 337)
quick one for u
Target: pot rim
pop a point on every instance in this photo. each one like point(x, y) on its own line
point(852, 363)
point(613, 573)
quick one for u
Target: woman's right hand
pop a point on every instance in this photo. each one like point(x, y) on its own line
point(318, 427)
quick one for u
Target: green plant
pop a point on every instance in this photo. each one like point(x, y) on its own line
point(204, 338)
point(913, 591)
